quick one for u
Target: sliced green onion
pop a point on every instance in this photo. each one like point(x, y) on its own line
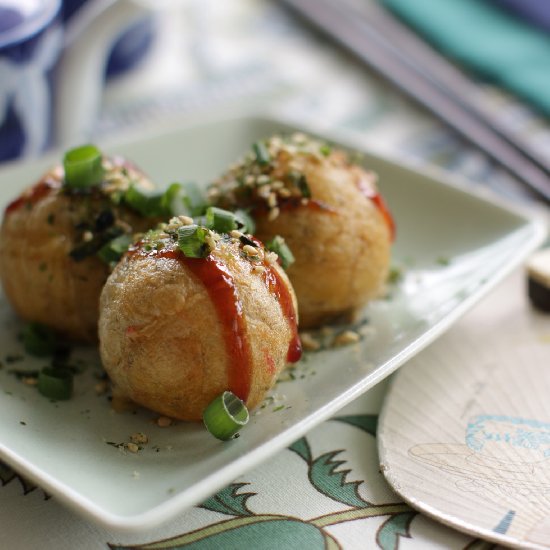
point(279, 246)
point(221, 221)
point(192, 241)
point(83, 167)
point(299, 180)
point(225, 416)
point(153, 205)
point(245, 221)
point(115, 249)
point(55, 383)
point(194, 199)
point(89, 248)
point(262, 154)
point(39, 340)
point(303, 187)
point(325, 150)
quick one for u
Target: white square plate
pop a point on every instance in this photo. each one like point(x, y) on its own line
point(62, 446)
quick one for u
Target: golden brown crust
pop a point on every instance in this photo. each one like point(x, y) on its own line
point(41, 279)
point(342, 255)
point(340, 238)
point(162, 341)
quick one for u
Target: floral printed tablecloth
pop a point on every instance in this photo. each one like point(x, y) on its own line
point(326, 490)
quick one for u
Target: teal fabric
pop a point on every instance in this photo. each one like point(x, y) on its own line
point(504, 50)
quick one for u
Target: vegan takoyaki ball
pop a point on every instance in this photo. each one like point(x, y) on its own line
point(188, 314)
point(59, 237)
point(330, 214)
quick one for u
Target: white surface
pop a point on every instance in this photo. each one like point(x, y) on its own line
point(62, 446)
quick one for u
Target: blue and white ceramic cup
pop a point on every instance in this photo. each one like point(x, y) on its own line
point(31, 42)
point(129, 48)
point(51, 78)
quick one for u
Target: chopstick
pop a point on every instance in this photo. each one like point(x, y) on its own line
point(452, 100)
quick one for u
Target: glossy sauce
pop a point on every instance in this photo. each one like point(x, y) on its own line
point(43, 188)
point(279, 288)
point(372, 194)
point(221, 288)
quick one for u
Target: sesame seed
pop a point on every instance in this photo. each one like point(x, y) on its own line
point(298, 137)
point(249, 180)
point(272, 200)
point(277, 184)
point(271, 257)
point(185, 220)
point(284, 192)
point(308, 342)
point(264, 192)
point(250, 250)
point(132, 447)
point(87, 236)
point(290, 149)
point(258, 269)
point(210, 241)
point(164, 421)
point(346, 337)
point(275, 141)
point(262, 179)
point(139, 437)
point(273, 214)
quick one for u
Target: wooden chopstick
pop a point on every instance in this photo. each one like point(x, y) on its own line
point(352, 30)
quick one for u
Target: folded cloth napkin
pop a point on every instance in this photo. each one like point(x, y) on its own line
point(500, 48)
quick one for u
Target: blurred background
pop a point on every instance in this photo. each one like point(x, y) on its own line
point(186, 58)
point(210, 54)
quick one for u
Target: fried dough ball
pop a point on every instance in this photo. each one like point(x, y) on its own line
point(329, 212)
point(177, 331)
point(49, 243)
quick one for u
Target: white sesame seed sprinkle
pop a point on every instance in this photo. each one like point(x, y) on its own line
point(273, 214)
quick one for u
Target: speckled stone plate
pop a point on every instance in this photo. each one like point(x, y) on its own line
point(454, 244)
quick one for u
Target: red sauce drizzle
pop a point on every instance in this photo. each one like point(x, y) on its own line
point(222, 290)
point(292, 203)
point(372, 194)
point(278, 287)
point(43, 188)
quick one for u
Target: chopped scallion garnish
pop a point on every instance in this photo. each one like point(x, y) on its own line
point(220, 220)
point(89, 248)
point(225, 416)
point(194, 199)
point(153, 205)
point(325, 150)
point(39, 340)
point(55, 383)
point(262, 154)
point(299, 180)
point(83, 167)
point(279, 246)
point(245, 221)
point(114, 249)
point(192, 241)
